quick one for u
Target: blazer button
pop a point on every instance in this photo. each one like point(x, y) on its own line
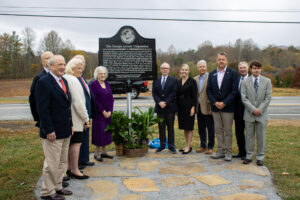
point(162, 95)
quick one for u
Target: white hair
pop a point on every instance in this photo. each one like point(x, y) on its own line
point(100, 68)
point(74, 62)
point(165, 63)
point(201, 61)
point(52, 60)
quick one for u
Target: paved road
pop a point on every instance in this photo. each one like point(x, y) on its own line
point(280, 108)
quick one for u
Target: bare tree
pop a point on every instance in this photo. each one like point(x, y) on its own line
point(28, 44)
point(51, 42)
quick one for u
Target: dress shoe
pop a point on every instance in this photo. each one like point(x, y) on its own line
point(80, 167)
point(64, 184)
point(98, 158)
point(218, 156)
point(159, 149)
point(239, 156)
point(228, 156)
point(64, 192)
point(200, 150)
point(79, 177)
point(181, 150)
point(260, 163)
point(187, 152)
point(87, 163)
point(106, 156)
point(208, 151)
point(53, 197)
point(173, 150)
point(66, 178)
point(247, 161)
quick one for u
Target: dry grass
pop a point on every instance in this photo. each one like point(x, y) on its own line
point(285, 92)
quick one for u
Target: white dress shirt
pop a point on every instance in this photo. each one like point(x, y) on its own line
point(221, 76)
point(56, 78)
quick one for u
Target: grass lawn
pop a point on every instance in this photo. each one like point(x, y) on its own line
point(21, 158)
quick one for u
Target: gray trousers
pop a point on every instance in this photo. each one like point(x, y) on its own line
point(223, 129)
point(258, 128)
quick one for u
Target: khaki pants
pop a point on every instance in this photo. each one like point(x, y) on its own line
point(223, 129)
point(55, 165)
point(259, 129)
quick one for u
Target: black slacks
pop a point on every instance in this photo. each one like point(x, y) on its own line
point(169, 123)
point(240, 133)
point(206, 122)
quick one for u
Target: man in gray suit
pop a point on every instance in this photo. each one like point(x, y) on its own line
point(256, 95)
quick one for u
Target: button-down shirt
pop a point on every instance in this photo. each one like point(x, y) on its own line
point(56, 78)
point(162, 78)
point(241, 79)
point(46, 69)
point(221, 76)
point(201, 80)
point(253, 79)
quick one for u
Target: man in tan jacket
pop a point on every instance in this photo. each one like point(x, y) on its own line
point(204, 114)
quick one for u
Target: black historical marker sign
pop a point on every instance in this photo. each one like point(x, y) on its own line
point(128, 56)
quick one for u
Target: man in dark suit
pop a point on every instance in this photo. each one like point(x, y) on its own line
point(84, 158)
point(164, 93)
point(221, 91)
point(44, 58)
point(53, 103)
point(239, 113)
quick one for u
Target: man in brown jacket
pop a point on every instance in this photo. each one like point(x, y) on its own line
point(204, 114)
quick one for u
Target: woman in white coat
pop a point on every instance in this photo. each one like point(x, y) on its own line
point(79, 113)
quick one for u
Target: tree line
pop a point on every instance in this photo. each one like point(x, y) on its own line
point(19, 60)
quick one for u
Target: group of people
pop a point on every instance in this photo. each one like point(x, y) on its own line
point(62, 104)
point(217, 98)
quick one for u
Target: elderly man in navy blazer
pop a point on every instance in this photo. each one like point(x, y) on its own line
point(44, 58)
point(164, 93)
point(53, 103)
point(221, 91)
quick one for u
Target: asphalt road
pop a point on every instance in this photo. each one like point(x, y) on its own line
point(280, 108)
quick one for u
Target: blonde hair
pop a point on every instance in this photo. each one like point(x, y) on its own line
point(74, 62)
point(99, 68)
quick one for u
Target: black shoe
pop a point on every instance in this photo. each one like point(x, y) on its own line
point(87, 163)
point(106, 156)
point(236, 156)
point(159, 149)
point(80, 167)
point(243, 157)
point(98, 158)
point(53, 197)
point(187, 151)
point(67, 178)
point(64, 184)
point(181, 150)
point(260, 163)
point(173, 150)
point(247, 161)
point(64, 192)
point(79, 177)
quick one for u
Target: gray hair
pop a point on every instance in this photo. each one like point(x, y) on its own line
point(243, 63)
point(165, 63)
point(52, 60)
point(100, 68)
point(74, 62)
point(201, 61)
point(222, 54)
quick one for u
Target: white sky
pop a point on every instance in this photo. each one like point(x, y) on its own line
point(84, 33)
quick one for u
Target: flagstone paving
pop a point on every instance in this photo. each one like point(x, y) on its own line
point(169, 176)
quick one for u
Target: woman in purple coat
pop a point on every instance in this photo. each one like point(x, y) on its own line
point(104, 101)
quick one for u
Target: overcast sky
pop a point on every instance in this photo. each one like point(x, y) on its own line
point(84, 33)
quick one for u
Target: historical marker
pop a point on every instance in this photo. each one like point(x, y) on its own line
point(128, 56)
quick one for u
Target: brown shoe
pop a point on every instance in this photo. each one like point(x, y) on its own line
point(202, 149)
point(208, 151)
point(53, 197)
point(64, 192)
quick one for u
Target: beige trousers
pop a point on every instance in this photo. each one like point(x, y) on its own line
point(223, 129)
point(55, 165)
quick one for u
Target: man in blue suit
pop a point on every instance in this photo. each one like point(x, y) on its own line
point(44, 58)
point(164, 93)
point(221, 91)
point(84, 158)
point(53, 103)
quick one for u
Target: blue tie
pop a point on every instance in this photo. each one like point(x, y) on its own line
point(163, 83)
point(256, 85)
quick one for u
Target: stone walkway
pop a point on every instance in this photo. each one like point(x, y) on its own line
point(169, 176)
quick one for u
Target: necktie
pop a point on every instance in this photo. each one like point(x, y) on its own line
point(63, 87)
point(85, 85)
point(163, 83)
point(256, 85)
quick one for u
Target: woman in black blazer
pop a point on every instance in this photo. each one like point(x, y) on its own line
point(186, 101)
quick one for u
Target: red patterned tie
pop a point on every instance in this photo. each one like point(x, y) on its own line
point(63, 87)
point(85, 85)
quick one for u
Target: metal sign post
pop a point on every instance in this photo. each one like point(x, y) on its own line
point(129, 102)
